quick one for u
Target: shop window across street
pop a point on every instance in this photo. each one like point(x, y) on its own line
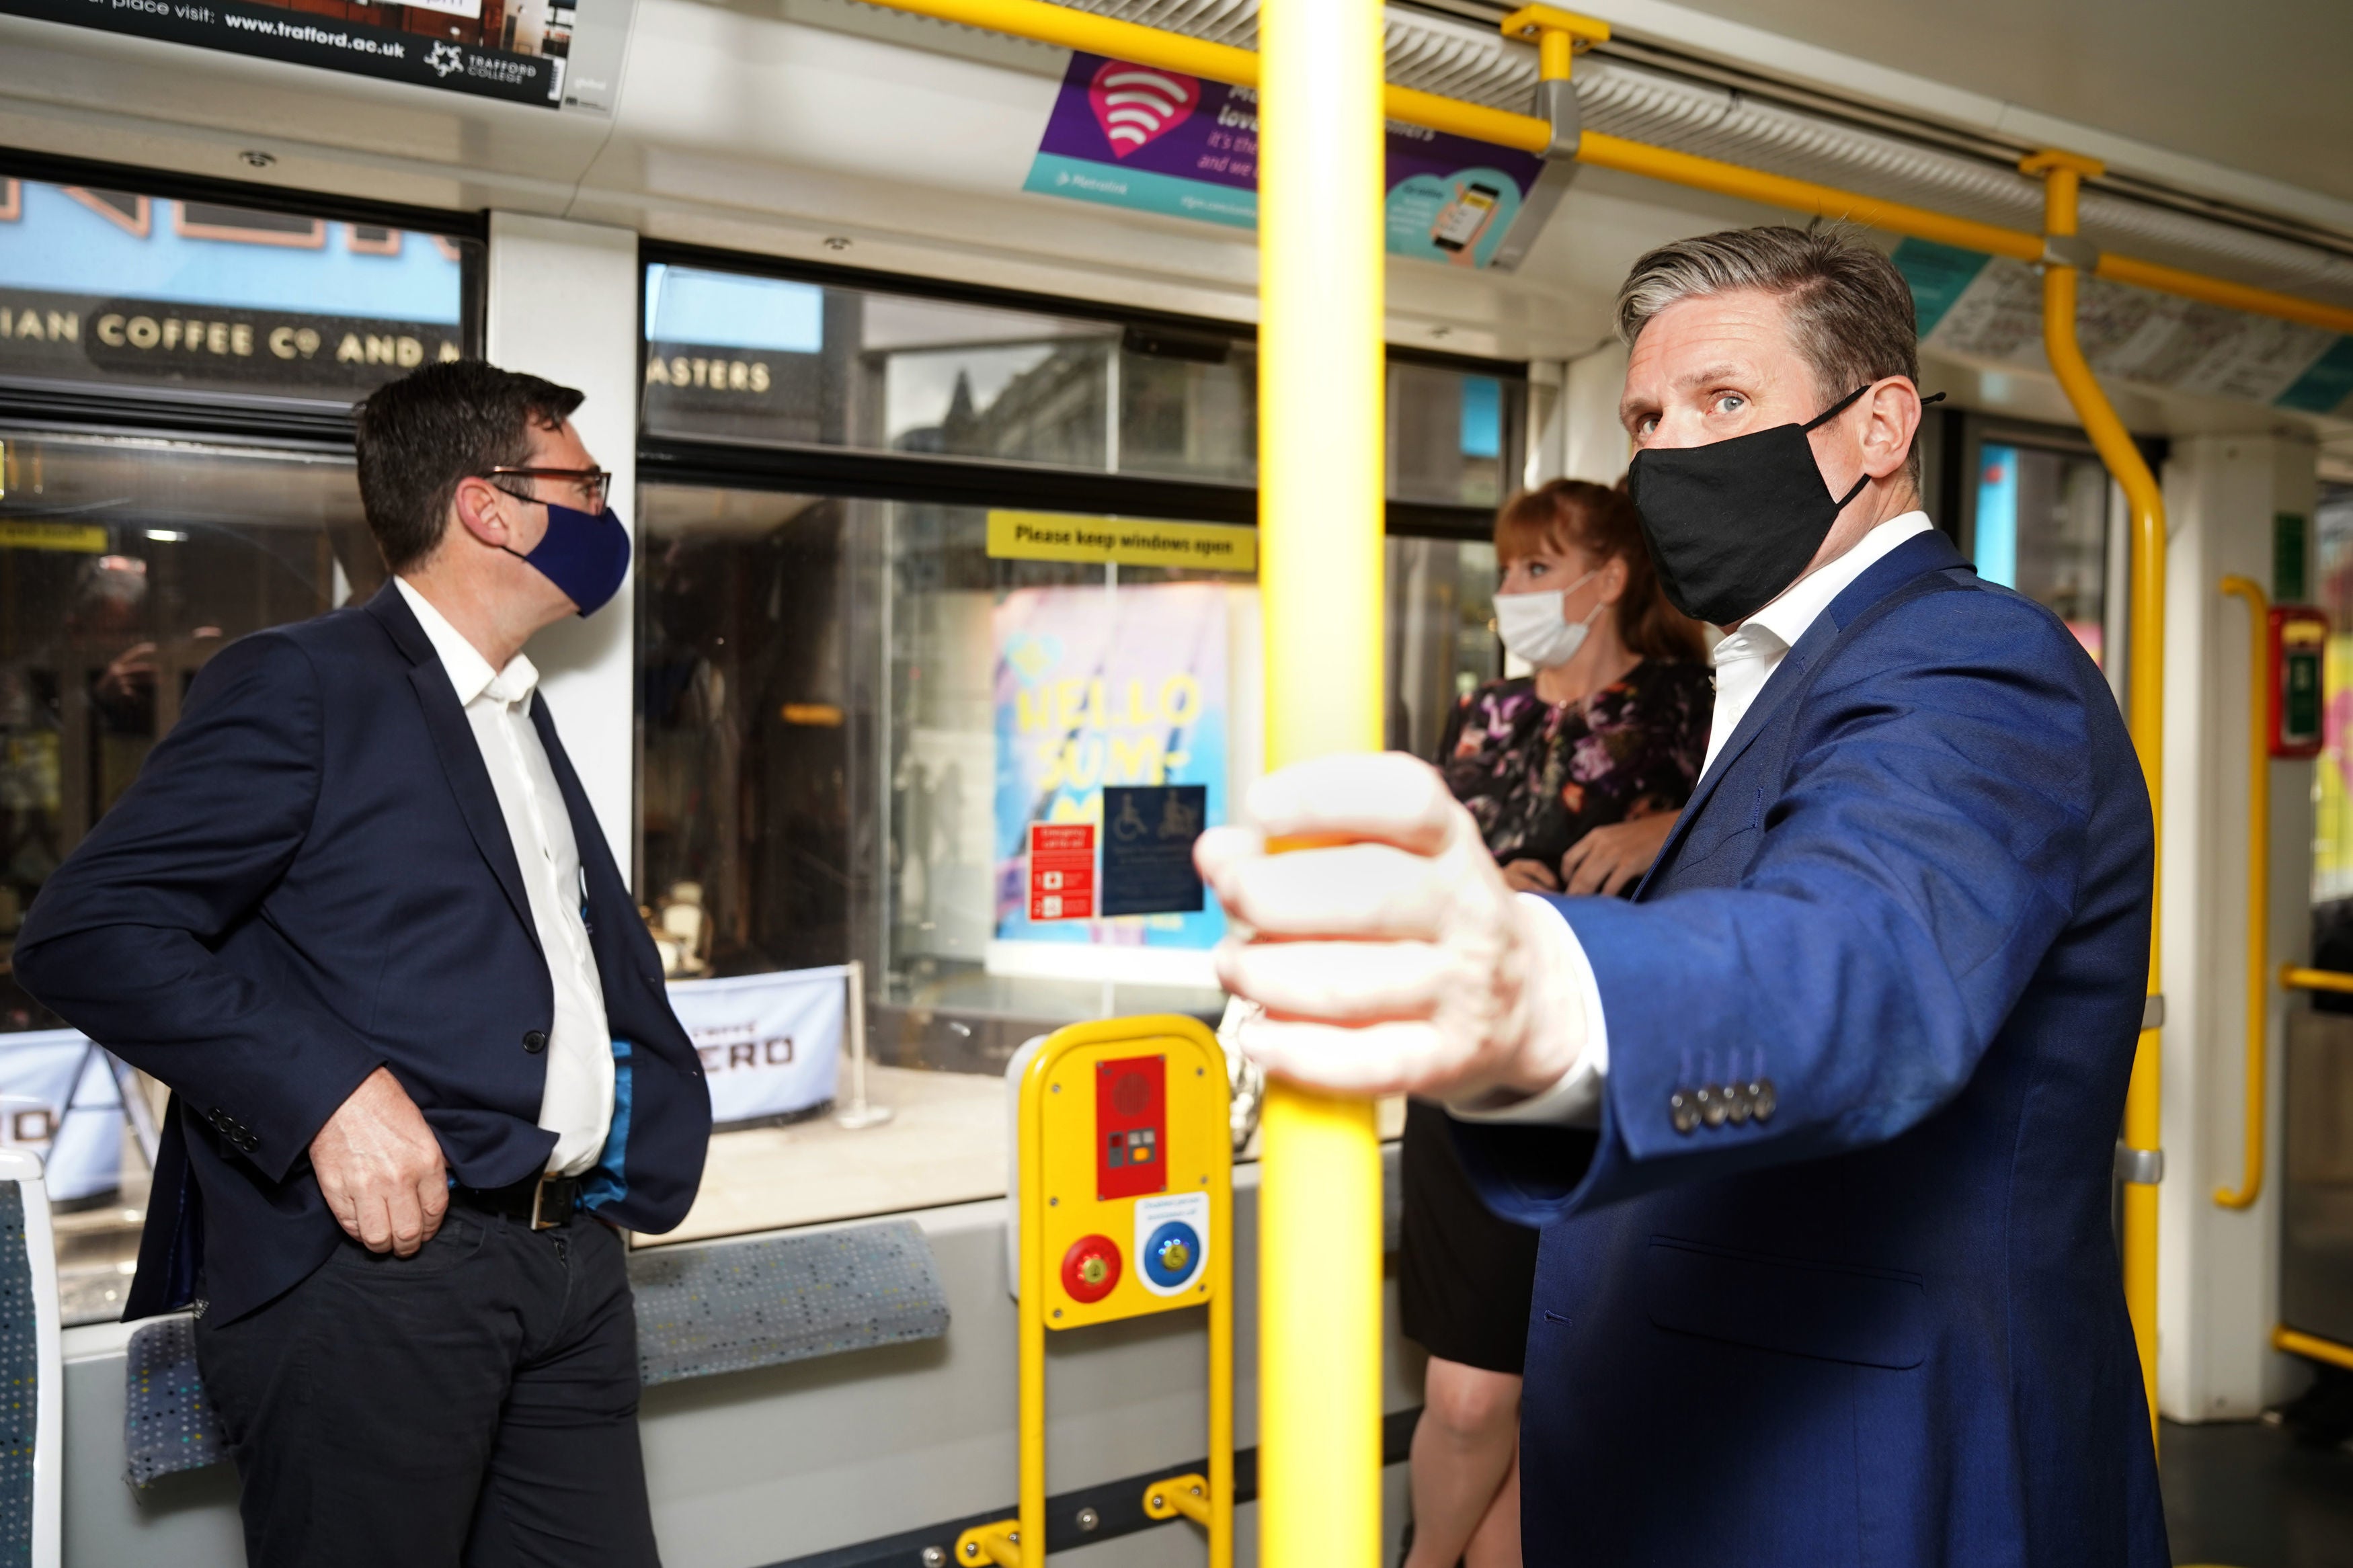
point(863, 686)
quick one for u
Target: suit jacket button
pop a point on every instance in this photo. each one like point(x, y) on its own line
point(1681, 1113)
point(536, 1041)
point(1738, 1105)
point(1762, 1098)
point(1712, 1105)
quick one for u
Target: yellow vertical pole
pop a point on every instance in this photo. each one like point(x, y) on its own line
point(2062, 174)
point(1322, 482)
point(1029, 1130)
point(2259, 888)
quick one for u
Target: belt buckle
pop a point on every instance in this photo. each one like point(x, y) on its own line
point(539, 1198)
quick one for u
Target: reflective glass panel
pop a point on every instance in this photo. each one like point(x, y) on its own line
point(854, 712)
point(2041, 527)
point(733, 357)
point(124, 565)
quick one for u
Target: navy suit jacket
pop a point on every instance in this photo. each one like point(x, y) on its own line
point(312, 878)
point(1885, 1326)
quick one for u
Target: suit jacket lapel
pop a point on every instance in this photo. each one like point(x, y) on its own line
point(1930, 551)
point(460, 753)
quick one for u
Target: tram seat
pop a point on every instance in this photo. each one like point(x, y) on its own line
point(32, 1370)
point(701, 1312)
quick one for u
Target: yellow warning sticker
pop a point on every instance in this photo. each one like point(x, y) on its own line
point(1061, 536)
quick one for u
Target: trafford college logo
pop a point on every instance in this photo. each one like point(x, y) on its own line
point(445, 58)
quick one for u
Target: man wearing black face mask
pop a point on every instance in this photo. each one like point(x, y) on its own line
point(1819, 1128)
point(357, 913)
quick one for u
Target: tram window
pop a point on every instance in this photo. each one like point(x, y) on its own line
point(851, 712)
point(734, 357)
point(124, 289)
point(124, 565)
point(1454, 438)
point(2041, 525)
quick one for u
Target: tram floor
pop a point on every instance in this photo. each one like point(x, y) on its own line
point(2246, 1495)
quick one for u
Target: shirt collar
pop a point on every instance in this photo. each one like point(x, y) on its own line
point(470, 675)
point(1787, 618)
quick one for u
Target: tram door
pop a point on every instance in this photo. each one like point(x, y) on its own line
point(125, 564)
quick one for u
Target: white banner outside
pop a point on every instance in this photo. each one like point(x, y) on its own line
point(770, 1044)
point(59, 1098)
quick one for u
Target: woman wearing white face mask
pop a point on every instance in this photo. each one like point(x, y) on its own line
point(1574, 774)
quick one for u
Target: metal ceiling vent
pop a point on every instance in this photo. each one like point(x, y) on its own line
point(1460, 59)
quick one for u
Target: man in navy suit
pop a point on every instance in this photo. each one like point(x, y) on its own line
point(1820, 1125)
point(357, 913)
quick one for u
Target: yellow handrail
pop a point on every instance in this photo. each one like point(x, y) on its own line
point(2259, 849)
point(1320, 493)
point(2313, 1345)
point(2294, 978)
point(2061, 176)
point(1060, 25)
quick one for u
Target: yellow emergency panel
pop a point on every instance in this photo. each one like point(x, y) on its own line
point(1123, 1200)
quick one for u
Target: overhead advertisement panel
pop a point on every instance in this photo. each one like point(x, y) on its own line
point(547, 52)
point(1136, 136)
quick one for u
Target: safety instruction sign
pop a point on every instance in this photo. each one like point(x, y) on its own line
point(1147, 849)
point(1989, 308)
point(1136, 136)
point(1111, 541)
point(1061, 870)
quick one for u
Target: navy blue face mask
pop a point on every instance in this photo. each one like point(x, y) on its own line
point(586, 554)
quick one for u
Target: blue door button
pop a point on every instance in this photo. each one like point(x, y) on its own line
point(1172, 1255)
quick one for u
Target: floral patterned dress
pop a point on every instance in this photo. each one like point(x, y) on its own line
point(1538, 776)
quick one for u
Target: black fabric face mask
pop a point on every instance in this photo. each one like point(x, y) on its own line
point(1731, 524)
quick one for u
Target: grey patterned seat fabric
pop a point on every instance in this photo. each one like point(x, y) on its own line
point(701, 1311)
point(20, 1370)
point(711, 1309)
point(168, 1424)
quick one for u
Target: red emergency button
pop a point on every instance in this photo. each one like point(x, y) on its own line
point(1091, 1268)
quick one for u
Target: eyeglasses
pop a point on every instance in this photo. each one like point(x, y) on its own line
point(594, 484)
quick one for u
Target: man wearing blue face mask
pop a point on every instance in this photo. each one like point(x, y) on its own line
point(1820, 1127)
point(357, 913)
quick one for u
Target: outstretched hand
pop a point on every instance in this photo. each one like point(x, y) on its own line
point(1390, 956)
point(380, 1168)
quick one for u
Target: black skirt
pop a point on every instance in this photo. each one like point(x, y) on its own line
point(1465, 1278)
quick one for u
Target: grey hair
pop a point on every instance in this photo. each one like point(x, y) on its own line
point(1849, 310)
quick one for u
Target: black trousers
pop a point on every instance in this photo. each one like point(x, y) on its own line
point(476, 1403)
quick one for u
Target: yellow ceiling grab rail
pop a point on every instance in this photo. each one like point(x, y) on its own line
point(1046, 23)
point(2259, 847)
point(2062, 174)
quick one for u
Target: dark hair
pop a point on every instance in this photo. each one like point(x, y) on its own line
point(1603, 523)
point(418, 437)
point(1849, 311)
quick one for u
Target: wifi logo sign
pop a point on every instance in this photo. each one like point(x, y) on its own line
point(1134, 104)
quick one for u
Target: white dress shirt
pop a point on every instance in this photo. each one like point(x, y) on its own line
point(576, 1104)
point(1744, 660)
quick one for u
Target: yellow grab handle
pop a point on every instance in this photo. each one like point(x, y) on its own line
point(1185, 1497)
point(999, 1544)
point(2259, 845)
point(2297, 979)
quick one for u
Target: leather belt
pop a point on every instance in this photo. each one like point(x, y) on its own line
point(542, 1202)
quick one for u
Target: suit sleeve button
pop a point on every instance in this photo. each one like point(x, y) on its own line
point(1682, 1113)
point(1763, 1099)
point(1714, 1103)
point(536, 1041)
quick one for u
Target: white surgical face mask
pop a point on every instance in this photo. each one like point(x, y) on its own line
point(1532, 627)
